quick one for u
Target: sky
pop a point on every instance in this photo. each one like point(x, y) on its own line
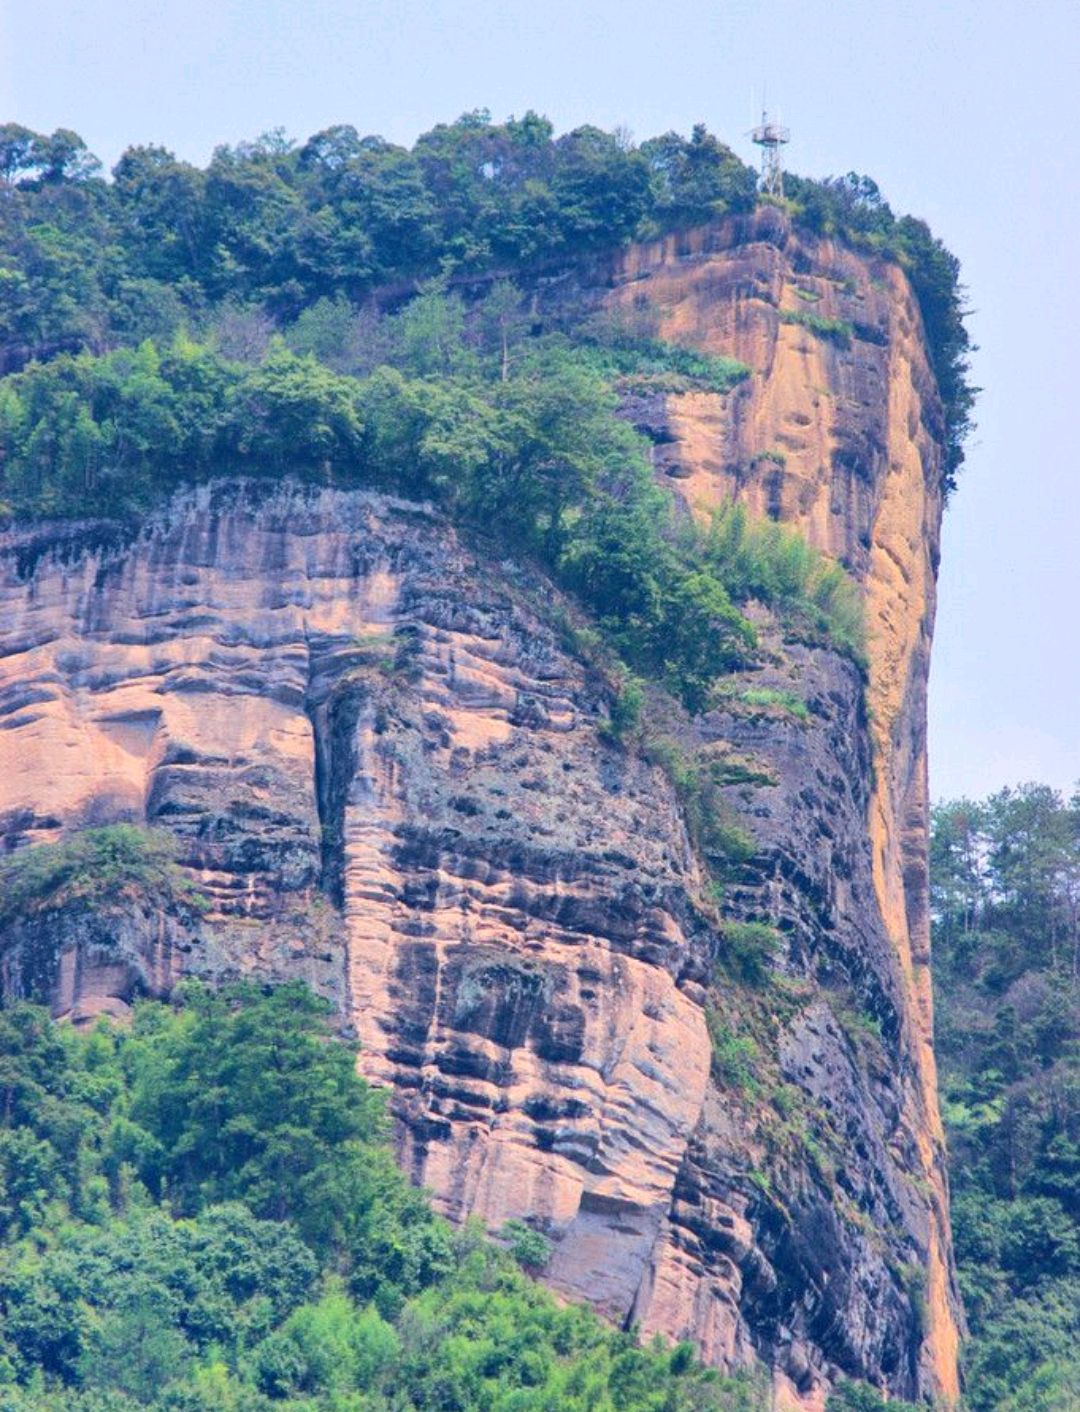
point(966, 112)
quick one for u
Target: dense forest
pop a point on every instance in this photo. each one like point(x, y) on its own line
point(312, 309)
point(1006, 895)
point(270, 228)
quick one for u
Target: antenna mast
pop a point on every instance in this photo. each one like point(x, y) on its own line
point(770, 137)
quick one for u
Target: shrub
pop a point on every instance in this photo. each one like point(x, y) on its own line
point(773, 563)
point(698, 779)
point(850, 1396)
point(769, 699)
point(529, 1248)
point(748, 948)
point(96, 866)
point(734, 1057)
point(837, 331)
point(626, 707)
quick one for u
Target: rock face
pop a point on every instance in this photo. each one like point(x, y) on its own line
point(383, 767)
point(843, 439)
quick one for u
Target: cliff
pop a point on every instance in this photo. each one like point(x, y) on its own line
point(382, 760)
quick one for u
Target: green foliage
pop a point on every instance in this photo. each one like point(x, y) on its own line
point(529, 1248)
point(450, 396)
point(837, 331)
point(748, 947)
point(624, 347)
point(1004, 879)
point(531, 450)
point(774, 564)
point(695, 181)
point(89, 435)
point(861, 1397)
point(698, 779)
point(853, 208)
point(284, 226)
point(734, 1057)
point(96, 866)
point(766, 700)
point(291, 413)
point(250, 1103)
point(200, 1213)
point(626, 708)
point(278, 231)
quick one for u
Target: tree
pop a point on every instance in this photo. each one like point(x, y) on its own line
point(18, 152)
point(63, 156)
point(501, 322)
point(1003, 884)
point(162, 205)
point(291, 413)
point(959, 890)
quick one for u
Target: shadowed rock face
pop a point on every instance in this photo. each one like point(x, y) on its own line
point(384, 772)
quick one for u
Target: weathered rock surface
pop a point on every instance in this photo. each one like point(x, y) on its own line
point(384, 771)
point(842, 440)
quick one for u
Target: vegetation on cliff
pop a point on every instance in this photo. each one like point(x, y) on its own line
point(513, 435)
point(347, 312)
point(202, 1212)
point(1006, 896)
point(853, 208)
point(97, 867)
point(271, 227)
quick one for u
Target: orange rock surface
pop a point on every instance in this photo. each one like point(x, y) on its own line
point(856, 436)
point(382, 766)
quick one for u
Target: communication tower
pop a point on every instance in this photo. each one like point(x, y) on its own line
point(770, 137)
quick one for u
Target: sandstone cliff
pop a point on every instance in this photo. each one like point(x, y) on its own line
point(381, 758)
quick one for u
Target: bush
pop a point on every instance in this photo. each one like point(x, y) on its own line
point(698, 780)
point(851, 1396)
point(734, 1057)
point(529, 1248)
point(837, 331)
point(773, 563)
point(748, 949)
point(96, 867)
point(626, 708)
point(768, 700)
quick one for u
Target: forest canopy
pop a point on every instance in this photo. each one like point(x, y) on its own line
point(270, 227)
point(514, 436)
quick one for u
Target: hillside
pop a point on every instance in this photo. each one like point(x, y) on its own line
point(1007, 972)
point(202, 1212)
point(516, 629)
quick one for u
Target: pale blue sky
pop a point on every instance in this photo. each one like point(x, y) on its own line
point(966, 113)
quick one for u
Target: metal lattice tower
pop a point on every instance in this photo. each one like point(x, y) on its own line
point(770, 137)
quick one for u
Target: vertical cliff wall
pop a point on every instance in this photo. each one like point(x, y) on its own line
point(840, 436)
point(381, 758)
